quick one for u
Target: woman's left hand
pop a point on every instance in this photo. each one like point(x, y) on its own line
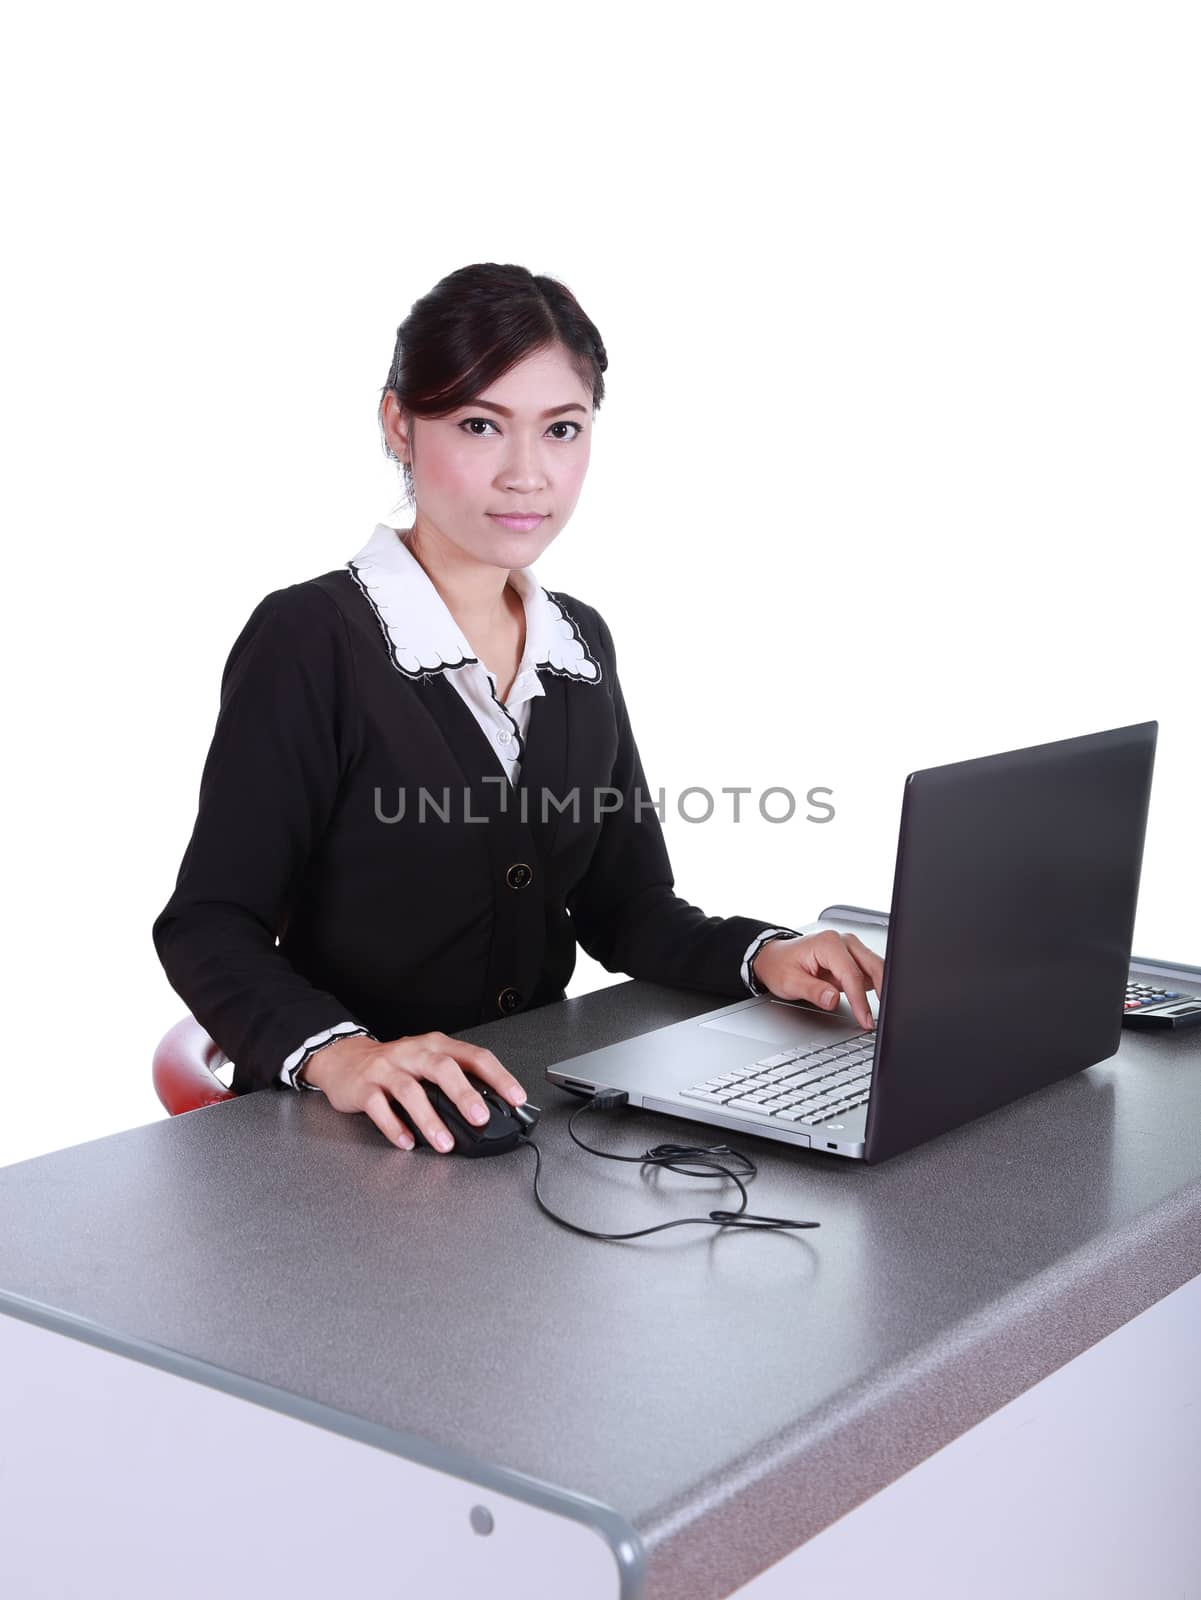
point(816, 966)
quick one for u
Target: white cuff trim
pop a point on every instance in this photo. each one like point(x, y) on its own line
point(293, 1064)
point(753, 950)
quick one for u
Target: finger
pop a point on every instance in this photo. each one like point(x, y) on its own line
point(820, 991)
point(486, 1066)
point(805, 979)
point(490, 1069)
point(867, 958)
point(414, 1099)
point(447, 1072)
point(847, 974)
point(389, 1124)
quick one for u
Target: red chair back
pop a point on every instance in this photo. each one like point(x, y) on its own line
point(185, 1066)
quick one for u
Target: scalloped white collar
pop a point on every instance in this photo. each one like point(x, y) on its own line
point(423, 636)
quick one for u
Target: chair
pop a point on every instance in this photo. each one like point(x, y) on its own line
point(185, 1068)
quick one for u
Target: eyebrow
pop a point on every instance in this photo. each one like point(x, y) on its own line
point(505, 412)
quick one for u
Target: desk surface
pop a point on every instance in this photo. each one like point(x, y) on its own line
point(708, 1400)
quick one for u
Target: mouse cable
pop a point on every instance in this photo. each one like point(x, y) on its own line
point(672, 1156)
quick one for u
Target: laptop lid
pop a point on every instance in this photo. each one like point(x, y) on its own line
point(1009, 942)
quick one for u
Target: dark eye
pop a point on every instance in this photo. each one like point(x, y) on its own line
point(467, 422)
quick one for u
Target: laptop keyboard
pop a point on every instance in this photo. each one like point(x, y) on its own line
point(802, 1085)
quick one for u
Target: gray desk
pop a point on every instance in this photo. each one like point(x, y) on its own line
point(705, 1402)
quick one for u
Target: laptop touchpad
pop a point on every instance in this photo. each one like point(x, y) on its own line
point(785, 1024)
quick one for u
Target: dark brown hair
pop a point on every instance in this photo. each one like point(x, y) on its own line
point(472, 327)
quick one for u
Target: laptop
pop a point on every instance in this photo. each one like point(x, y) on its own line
point(1007, 955)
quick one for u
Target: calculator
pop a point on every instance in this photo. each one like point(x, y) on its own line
point(1150, 1007)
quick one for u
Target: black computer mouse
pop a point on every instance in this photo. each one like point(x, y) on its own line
point(501, 1132)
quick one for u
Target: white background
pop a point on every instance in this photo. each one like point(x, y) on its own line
point(897, 466)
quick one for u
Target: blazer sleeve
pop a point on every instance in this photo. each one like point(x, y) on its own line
point(284, 735)
point(624, 910)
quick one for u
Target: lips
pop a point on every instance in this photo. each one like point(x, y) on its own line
point(522, 523)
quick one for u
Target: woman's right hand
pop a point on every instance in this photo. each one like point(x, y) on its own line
point(360, 1074)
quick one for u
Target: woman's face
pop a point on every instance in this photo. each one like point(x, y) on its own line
point(522, 446)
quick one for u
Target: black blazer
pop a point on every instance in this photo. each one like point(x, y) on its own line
point(411, 925)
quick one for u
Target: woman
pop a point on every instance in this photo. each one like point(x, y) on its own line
point(390, 783)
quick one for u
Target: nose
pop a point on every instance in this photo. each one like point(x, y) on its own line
point(523, 471)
